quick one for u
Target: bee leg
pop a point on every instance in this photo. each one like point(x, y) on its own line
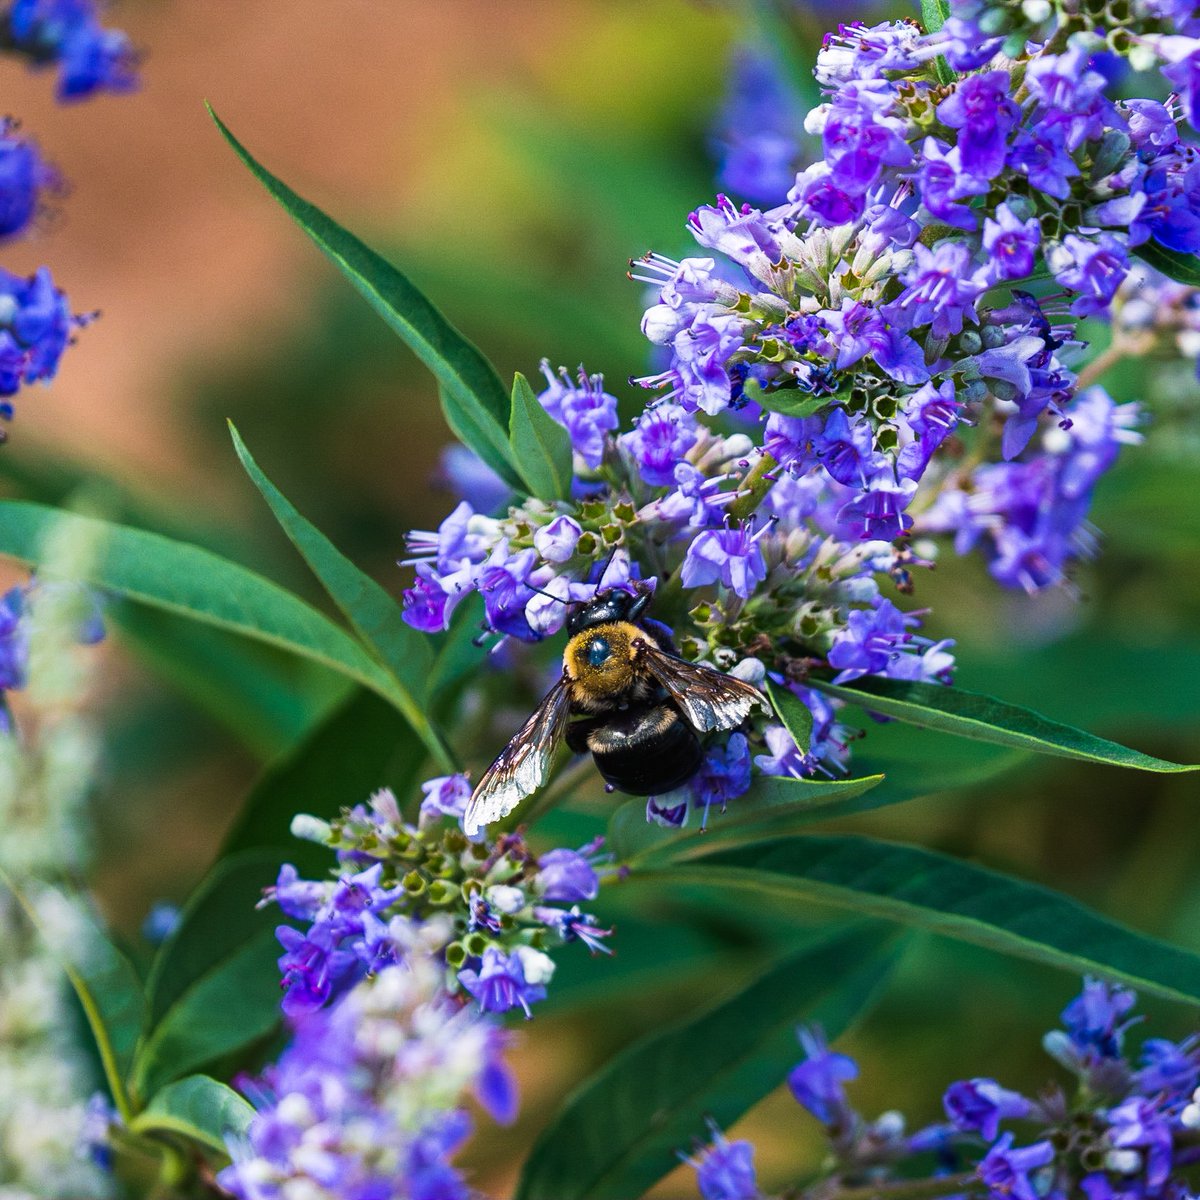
point(578, 732)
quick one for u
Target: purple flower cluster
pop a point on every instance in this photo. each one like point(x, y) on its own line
point(1126, 1134)
point(1030, 518)
point(498, 906)
point(755, 136)
point(17, 616)
point(368, 1099)
point(35, 320)
point(68, 35)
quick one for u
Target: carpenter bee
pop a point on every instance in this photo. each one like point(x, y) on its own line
point(639, 708)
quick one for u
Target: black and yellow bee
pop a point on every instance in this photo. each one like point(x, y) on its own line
point(640, 708)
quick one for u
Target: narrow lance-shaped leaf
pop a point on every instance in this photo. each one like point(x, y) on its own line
point(622, 1130)
point(794, 713)
point(224, 947)
point(179, 578)
point(474, 399)
point(375, 616)
point(541, 446)
point(199, 1109)
point(947, 896)
point(986, 719)
point(103, 980)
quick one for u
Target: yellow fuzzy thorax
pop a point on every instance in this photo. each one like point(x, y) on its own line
point(613, 676)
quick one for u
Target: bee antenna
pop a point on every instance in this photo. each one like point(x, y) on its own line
point(542, 592)
point(609, 563)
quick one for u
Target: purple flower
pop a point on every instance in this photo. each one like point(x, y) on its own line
point(1182, 55)
point(663, 435)
point(503, 583)
point(568, 875)
point(730, 556)
point(1005, 1171)
point(784, 757)
point(1040, 154)
point(846, 449)
point(1095, 1018)
point(556, 542)
point(823, 198)
point(500, 984)
point(672, 814)
point(24, 176)
point(980, 108)
point(584, 408)
point(1012, 244)
point(743, 234)
point(427, 605)
point(1139, 1124)
point(878, 512)
point(932, 414)
point(790, 441)
point(979, 1105)
point(756, 128)
point(90, 58)
point(470, 478)
point(724, 774)
point(817, 1081)
point(859, 139)
point(1093, 267)
point(35, 326)
point(878, 641)
point(14, 639)
point(725, 1170)
point(1172, 1068)
point(944, 181)
point(941, 289)
point(445, 796)
point(853, 330)
point(1071, 95)
point(701, 352)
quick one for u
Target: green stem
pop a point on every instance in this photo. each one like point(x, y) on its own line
point(753, 488)
point(1099, 365)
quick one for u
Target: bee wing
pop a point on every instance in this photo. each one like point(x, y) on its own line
point(708, 698)
point(522, 766)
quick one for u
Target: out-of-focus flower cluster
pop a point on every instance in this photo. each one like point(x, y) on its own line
point(499, 906)
point(47, 767)
point(1125, 1129)
point(392, 991)
point(368, 1098)
point(68, 35)
point(36, 321)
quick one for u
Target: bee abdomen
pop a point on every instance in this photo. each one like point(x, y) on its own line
point(645, 751)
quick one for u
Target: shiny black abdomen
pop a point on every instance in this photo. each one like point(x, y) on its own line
point(644, 751)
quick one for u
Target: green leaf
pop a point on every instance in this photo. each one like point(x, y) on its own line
point(622, 1129)
point(789, 401)
point(197, 1108)
point(214, 984)
point(362, 746)
point(934, 14)
point(195, 583)
point(375, 616)
point(985, 719)
point(1183, 268)
point(265, 697)
point(942, 894)
point(473, 398)
point(775, 806)
point(541, 446)
point(102, 978)
point(793, 712)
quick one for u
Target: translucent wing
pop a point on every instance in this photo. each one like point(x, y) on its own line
point(708, 698)
point(523, 764)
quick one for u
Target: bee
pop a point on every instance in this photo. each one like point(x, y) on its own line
point(639, 709)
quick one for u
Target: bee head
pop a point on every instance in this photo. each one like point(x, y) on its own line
point(608, 605)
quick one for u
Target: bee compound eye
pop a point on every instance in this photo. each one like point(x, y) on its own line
point(598, 652)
